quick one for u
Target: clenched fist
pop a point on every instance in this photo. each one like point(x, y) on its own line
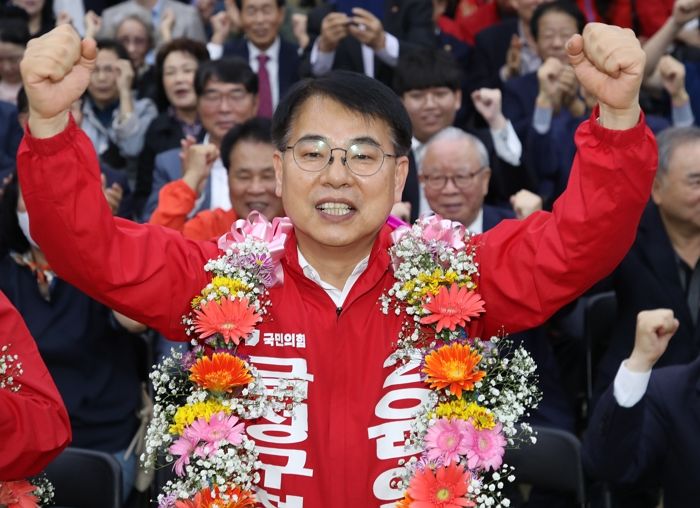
point(56, 71)
point(654, 330)
point(609, 62)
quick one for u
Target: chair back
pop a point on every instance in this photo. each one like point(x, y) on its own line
point(599, 321)
point(552, 463)
point(85, 479)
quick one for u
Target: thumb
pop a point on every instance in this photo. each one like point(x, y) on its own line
point(88, 53)
point(574, 48)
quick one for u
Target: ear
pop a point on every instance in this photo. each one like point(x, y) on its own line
point(458, 99)
point(278, 164)
point(485, 181)
point(400, 175)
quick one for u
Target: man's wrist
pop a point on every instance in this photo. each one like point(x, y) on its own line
point(380, 42)
point(619, 119)
point(47, 127)
point(638, 363)
point(498, 122)
point(325, 46)
point(680, 98)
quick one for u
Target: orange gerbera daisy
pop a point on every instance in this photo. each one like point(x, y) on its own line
point(233, 319)
point(205, 499)
point(405, 502)
point(453, 366)
point(452, 307)
point(220, 373)
point(444, 488)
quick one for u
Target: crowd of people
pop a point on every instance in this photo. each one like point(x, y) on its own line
point(180, 110)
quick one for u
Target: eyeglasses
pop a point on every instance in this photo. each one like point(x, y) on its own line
point(461, 180)
point(216, 97)
point(421, 96)
point(362, 159)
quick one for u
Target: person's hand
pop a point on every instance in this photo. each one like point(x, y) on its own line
point(55, 71)
point(512, 65)
point(197, 163)
point(609, 62)
point(221, 27)
point(234, 15)
point(64, 18)
point(334, 28)
point(402, 210)
point(684, 11)
point(367, 29)
point(299, 29)
point(672, 73)
point(114, 194)
point(93, 24)
point(525, 203)
point(125, 75)
point(5, 182)
point(654, 329)
point(487, 102)
point(165, 28)
point(550, 92)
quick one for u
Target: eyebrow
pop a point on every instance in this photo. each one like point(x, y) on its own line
point(362, 139)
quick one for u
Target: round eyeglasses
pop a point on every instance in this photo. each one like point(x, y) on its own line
point(362, 159)
point(461, 180)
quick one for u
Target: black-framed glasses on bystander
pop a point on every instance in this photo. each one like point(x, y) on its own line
point(461, 180)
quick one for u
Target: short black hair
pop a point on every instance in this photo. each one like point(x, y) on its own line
point(113, 45)
point(365, 96)
point(258, 130)
point(11, 236)
point(197, 49)
point(239, 4)
point(426, 68)
point(226, 70)
point(563, 6)
point(14, 25)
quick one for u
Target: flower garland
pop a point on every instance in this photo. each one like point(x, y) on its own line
point(36, 491)
point(481, 388)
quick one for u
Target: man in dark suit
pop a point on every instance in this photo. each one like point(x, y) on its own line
point(10, 137)
point(646, 423)
point(273, 59)
point(370, 39)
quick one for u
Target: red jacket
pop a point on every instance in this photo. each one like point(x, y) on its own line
point(342, 448)
point(34, 424)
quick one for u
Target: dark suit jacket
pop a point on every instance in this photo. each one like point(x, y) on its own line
point(657, 437)
point(646, 279)
point(519, 95)
point(490, 48)
point(410, 21)
point(289, 61)
point(10, 137)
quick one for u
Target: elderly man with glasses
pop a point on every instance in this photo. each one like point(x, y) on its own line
point(347, 166)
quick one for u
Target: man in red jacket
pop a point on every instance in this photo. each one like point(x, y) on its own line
point(343, 446)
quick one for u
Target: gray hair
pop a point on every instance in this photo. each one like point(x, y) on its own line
point(670, 139)
point(457, 134)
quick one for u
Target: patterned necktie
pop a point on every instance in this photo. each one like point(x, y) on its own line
point(264, 92)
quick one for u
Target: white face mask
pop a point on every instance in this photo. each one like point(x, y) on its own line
point(23, 218)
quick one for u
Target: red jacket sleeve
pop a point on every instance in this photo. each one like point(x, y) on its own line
point(34, 424)
point(175, 201)
point(146, 272)
point(531, 268)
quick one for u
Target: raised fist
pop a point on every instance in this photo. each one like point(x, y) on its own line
point(512, 65)
point(609, 62)
point(487, 102)
point(672, 73)
point(548, 78)
point(525, 203)
point(56, 71)
point(654, 330)
point(197, 161)
point(93, 24)
point(334, 27)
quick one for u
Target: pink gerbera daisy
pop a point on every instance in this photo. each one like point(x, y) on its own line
point(452, 307)
point(220, 428)
point(233, 319)
point(184, 447)
point(485, 447)
point(446, 440)
point(444, 488)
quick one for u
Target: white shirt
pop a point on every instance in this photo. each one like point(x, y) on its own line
point(216, 51)
point(629, 387)
point(322, 62)
point(272, 66)
point(477, 227)
point(418, 150)
point(337, 295)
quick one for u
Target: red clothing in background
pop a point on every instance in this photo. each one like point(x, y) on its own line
point(343, 445)
point(34, 425)
point(176, 200)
